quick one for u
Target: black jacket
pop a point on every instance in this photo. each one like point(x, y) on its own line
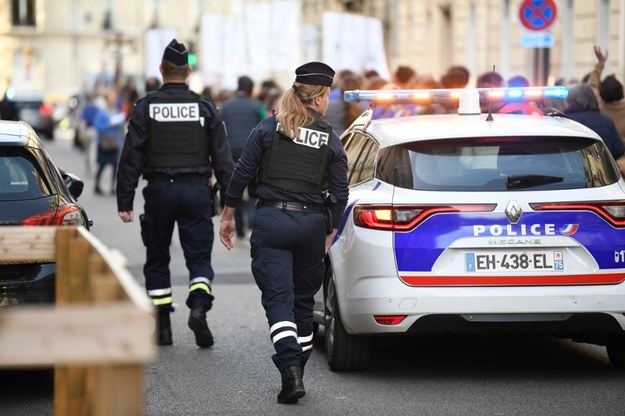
point(131, 163)
point(245, 170)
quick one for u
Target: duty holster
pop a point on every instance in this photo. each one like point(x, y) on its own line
point(215, 200)
point(328, 203)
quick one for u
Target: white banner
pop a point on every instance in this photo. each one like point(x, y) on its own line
point(223, 49)
point(354, 42)
point(261, 42)
point(156, 40)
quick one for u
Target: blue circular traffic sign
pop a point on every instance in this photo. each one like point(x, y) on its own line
point(537, 15)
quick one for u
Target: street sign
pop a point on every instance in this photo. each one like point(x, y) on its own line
point(537, 40)
point(537, 15)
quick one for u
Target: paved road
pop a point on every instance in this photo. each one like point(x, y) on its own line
point(466, 375)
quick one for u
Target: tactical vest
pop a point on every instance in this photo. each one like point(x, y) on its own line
point(176, 136)
point(297, 164)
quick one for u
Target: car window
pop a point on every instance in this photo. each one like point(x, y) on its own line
point(20, 179)
point(499, 164)
point(361, 157)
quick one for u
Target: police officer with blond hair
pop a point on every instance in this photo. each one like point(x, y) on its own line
point(299, 160)
point(176, 140)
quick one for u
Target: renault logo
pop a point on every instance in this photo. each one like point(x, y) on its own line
point(513, 212)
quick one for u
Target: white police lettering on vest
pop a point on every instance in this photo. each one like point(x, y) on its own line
point(312, 138)
point(175, 112)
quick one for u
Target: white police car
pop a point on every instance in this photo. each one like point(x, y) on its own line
point(472, 222)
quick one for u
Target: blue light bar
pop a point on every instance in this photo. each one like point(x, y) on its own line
point(445, 95)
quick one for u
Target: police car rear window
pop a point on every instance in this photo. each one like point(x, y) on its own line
point(498, 164)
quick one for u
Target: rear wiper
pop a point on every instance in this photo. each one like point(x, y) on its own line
point(527, 181)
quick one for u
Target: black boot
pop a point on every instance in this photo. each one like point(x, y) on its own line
point(163, 328)
point(197, 323)
point(292, 385)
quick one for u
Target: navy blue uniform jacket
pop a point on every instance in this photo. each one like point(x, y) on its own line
point(245, 170)
point(131, 163)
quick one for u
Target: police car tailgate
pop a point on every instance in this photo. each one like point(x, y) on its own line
point(510, 239)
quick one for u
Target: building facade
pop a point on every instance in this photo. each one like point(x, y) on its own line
point(61, 46)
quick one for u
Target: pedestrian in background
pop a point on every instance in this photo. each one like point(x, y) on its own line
point(297, 155)
point(341, 114)
point(109, 124)
point(176, 139)
point(582, 106)
point(241, 114)
point(609, 92)
point(8, 109)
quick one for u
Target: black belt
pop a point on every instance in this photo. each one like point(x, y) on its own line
point(290, 206)
point(183, 177)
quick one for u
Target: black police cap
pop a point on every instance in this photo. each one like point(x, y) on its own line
point(176, 53)
point(315, 73)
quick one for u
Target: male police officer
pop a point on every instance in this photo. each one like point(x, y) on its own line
point(176, 140)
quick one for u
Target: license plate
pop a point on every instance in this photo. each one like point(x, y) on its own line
point(511, 261)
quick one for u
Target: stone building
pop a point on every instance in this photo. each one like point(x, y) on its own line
point(58, 46)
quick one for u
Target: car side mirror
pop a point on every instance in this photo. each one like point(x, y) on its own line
point(74, 184)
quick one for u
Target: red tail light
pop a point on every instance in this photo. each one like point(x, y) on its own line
point(64, 215)
point(612, 211)
point(404, 218)
point(389, 319)
point(46, 109)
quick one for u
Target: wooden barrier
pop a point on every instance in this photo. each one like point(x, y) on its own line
point(97, 336)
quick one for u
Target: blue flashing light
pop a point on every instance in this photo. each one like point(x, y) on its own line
point(446, 95)
point(556, 92)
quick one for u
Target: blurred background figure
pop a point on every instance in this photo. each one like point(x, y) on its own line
point(582, 106)
point(490, 79)
point(87, 132)
point(109, 123)
point(609, 92)
point(240, 115)
point(152, 84)
point(8, 109)
point(457, 76)
point(340, 114)
point(269, 95)
point(404, 78)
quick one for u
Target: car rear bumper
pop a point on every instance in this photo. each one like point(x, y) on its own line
point(540, 309)
point(27, 284)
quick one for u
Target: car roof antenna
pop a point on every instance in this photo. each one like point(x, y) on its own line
point(490, 97)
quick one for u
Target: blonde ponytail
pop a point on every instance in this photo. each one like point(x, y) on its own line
point(294, 105)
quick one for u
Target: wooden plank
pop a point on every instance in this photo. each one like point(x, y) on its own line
point(77, 269)
point(27, 244)
point(113, 333)
point(119, 391)
point(63, 277)
point(117, 264)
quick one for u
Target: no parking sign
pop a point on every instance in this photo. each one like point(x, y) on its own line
point(537, 15)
